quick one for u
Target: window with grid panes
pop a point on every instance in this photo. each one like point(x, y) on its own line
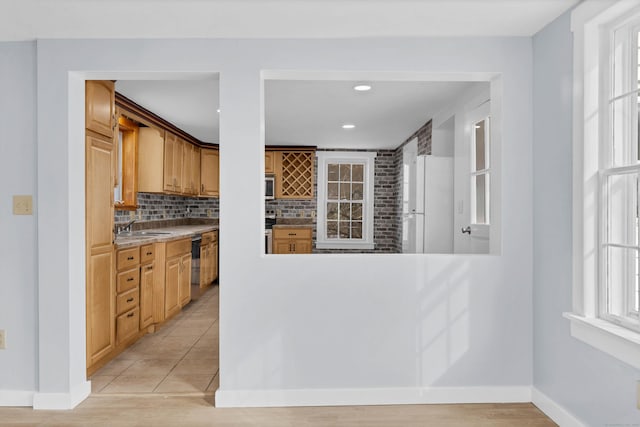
point(345, 200)
point(606, 178)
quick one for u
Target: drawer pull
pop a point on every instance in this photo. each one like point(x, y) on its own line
point(292, 234)
point(150, 267)
point(129, 279)
point(149, 253)
point(130, 299)
point(131, 314)
point(129, 258)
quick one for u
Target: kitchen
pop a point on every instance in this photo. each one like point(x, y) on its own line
point(163, 193)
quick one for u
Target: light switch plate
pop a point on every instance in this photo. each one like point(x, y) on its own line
point(2, 340)
point(23, 205)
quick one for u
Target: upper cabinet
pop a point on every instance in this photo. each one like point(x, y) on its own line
point(173, 157)
point(209, 172)
point(151, 164)
point(269, 162)
point(100, 107)
point(294, 172)
point(191, 169)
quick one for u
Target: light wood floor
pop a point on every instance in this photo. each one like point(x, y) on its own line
point(156, 383)
point(197, 411)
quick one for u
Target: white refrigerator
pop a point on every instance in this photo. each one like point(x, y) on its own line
point(428, 205)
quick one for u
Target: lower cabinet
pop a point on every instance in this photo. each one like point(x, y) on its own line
point(289, 240)
point(127, 294)
point(177, 276)
point(208, 258)
point(147, 284)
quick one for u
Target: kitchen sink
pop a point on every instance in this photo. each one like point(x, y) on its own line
point(142, 233)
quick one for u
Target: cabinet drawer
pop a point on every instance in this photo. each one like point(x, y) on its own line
point(128, 325)
point(178, 247)
point(127, 280)
point(206, 238)
point(127, 258)
point(127, 300)
point(292, 233)
point(147, 254)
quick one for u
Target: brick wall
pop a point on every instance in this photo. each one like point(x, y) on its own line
point(153, 207)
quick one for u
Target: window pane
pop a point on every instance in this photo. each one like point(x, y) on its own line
point(356, 230)
point(345, 211)
point(332, 211)
point(345, 172)
point(356, 191)
point(332, 191)
point(622, 209)
point(480, 145)
point(332, 172)
point(345, 191)
point(625, 78)
point(344, 230)
point(624, 131)
point(332, 229)
point(356, 211)
point(481, 206)
point(622, 267)
point(358, 173)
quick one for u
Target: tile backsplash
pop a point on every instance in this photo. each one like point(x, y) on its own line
point(154, 207)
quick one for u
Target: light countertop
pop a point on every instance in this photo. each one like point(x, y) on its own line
point(171, 233)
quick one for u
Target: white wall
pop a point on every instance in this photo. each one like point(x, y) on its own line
point(383, 327)
point(18, 261)
point(596, 388)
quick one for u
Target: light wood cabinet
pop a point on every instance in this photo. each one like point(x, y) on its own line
point(191, 169)
point(208, 258)
point(209, 172)
point(173, 159)
point(100, 107)
point(269, 162)
point(147, 285)
point(177, 276)
point(151, 160)
point(288, 240)
point(99, 161)
point(128, 294)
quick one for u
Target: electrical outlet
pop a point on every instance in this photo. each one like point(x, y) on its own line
point(209, 213)
point(313, 214)
point(132, 214)
point(3, 343)
point(278, 212)
point(139, 216)
point(22, 205)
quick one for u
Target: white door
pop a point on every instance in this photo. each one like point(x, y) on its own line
point(409, 223)
point(479, 131)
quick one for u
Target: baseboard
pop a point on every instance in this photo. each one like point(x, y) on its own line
point(16, 398)
point(62, 400)
point(371, 396)
point(553, 410)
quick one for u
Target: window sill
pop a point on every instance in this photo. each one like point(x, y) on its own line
point(619, 342)
point(344, 245)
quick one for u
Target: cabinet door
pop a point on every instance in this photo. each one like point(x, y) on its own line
point(100, 307)
point(269, 162)
point(170, 143)
point(214, 261)
point(151, 160)
point(172, 282)
point(100, 107)
point(204, 265)
point(209, 172)
point(178, 161)
point(146, 295)
point(282, 246)
point(184, 292)
point(294, 174)
point(301, 246)
point(195, 171)
point(187, 168)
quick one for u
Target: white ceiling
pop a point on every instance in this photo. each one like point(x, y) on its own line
point(33, 19)
point(299, 112)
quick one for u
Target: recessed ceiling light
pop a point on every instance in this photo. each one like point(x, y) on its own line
point(362, 87)
point(348, 126)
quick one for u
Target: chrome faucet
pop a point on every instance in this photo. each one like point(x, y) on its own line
point(126, 227)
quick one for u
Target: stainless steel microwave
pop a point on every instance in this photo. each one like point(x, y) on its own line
point(269, 187)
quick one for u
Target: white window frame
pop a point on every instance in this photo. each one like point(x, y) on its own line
point(482, 113)
point(368, 159)
point(592, 24)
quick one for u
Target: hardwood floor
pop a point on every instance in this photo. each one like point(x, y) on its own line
point(198, 411)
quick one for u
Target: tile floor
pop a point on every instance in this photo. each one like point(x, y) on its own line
point(180, 357)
